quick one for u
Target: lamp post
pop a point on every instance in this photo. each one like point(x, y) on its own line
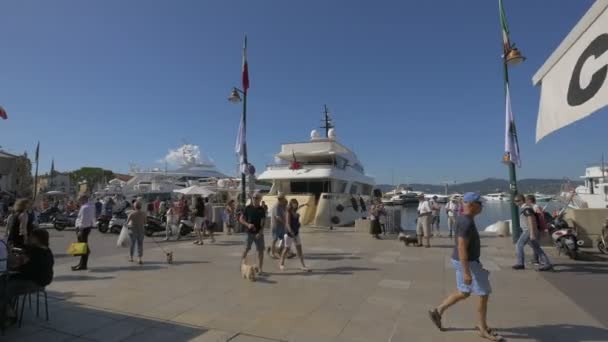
point(236, 98)
point(511, 57)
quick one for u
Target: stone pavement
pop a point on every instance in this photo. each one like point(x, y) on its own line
point(360, 290)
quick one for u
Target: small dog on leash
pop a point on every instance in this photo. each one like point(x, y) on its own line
point(249, 272)
point(408, 239)
point(169, 256)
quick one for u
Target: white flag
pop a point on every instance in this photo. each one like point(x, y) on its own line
point(241, 146)
point(511, 143)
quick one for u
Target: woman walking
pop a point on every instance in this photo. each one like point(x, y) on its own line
point(229, 217)
point(198, 215)
point(171, 218)
point(136, 223)
point(377, 211)
point(207, 222)
point(293, 234)
point(19, 226)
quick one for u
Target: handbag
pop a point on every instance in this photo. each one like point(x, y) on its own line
point(78, 249)
point(124, 240)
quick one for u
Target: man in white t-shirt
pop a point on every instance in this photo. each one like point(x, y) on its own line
point(423, 225)
point(452, 209)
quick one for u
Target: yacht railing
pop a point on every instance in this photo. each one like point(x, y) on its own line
point(287, 166)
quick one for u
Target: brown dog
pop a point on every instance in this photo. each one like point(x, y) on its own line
point(249, 272)
point(169, 256)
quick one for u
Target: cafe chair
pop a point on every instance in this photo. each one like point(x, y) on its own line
point(27, 293)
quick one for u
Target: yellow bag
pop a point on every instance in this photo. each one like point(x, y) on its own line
point(77, 249)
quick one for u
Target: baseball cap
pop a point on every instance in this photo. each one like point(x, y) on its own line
point(471, 197)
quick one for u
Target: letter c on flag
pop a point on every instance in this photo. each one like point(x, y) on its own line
point(576, 95)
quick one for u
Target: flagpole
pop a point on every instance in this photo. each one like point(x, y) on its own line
point(509, 52)
point(36, 181)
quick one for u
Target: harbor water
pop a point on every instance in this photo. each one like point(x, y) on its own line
point(492, 212)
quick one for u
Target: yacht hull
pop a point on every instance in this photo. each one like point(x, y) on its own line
point(330, 210)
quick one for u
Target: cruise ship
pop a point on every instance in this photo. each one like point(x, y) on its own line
point(326, 178)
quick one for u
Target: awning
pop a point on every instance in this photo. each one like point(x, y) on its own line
point(575, 77)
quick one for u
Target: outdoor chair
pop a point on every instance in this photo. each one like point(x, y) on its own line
point(26, 293)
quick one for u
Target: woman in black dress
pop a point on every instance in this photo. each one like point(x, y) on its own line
point(377, 210)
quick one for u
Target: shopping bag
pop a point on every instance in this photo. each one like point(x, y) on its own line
point(77, 249)
point(124, 240)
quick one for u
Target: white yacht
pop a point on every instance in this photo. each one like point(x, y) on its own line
point(594, 193)
point(325, 177)
point(499, 196)
point(159, 182)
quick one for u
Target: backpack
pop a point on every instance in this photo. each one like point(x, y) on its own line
point(541, 221)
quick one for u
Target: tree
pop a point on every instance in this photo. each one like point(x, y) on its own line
point(92, 175)
point(24, 182)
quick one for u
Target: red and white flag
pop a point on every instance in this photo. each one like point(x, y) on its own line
point(245, 68)
point(3, 114)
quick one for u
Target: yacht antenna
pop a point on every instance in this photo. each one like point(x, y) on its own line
point(603, 168)
point(327, 121)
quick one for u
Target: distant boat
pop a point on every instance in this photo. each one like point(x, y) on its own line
point(496, 197)
point(542, 197)
point(403, 198)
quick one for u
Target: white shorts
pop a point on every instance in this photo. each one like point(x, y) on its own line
point(198, 223)
point(290, 240)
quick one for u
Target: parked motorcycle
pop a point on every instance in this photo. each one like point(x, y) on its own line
point(564, 237)
point(64, 220)
point(103, 223)
point(153, 225)
point(602, 240)
point(48, 215)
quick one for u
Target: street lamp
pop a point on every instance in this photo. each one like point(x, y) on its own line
point(514, 57)
point(234, 95)
point(236, 98)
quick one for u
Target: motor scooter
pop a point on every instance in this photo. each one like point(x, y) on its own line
point(118, 220)
point(602, 240)
point(185, 227)
point(564, 237)
point(103, 223)
point(64, 220)
point(153, 225)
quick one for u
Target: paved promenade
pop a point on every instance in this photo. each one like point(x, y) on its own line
point(360, 290)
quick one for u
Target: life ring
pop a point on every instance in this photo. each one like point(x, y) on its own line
point(340, 208)
point(335, 220)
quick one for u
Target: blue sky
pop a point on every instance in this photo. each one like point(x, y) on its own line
point(415, 87)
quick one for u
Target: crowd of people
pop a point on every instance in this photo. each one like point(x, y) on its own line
point(34, 259)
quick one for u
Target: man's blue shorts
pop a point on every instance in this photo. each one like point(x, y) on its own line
point(259, 241)
point(481, 279)
point(278, 233)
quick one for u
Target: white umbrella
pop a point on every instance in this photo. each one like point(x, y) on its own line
point(196, 190)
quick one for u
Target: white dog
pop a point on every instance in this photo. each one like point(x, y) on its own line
point(249, 272)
